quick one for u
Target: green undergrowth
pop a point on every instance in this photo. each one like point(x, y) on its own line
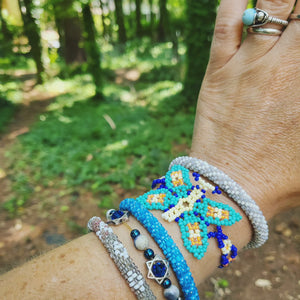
point(126, 140)
point(98, 146)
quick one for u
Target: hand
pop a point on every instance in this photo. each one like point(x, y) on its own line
point(248, 115)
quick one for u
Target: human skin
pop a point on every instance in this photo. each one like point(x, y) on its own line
point(248, 115)
point(247, 124)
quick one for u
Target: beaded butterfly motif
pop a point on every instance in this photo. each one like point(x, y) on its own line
point(187, 204)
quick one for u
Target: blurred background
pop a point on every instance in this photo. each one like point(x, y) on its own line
point(96, 98)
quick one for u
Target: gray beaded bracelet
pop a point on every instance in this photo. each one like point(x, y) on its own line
point(234, 191)
point(119, 254)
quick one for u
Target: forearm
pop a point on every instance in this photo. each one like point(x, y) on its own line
point(83, 268)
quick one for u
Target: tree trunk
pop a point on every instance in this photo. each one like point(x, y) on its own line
point(105, 29)
point(60, 30)
point(199, 30)
point(138, 18)
point(93, 53)
point(32, 32)
point(120, 21)
point(163, 26)
point(4, 28)
point(7, 36)
point(68, 26)
point(151, 19)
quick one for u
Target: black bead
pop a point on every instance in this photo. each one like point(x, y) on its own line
point(149, 253)
point(134, 233)
point(166, 283)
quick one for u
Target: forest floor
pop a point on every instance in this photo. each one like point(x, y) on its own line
point(270, 272)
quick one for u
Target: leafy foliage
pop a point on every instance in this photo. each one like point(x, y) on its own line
point(126, 141)
point(200, 17)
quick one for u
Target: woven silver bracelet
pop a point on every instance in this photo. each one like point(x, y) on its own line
point(234, 191)
point(124, 263)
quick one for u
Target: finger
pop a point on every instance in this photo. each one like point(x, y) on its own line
point(277, 8)
point(259, 44)
point(228, 31)
point(290, 38)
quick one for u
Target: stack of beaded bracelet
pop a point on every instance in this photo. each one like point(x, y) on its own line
point(234, 191)
point(158, 268)
point(119, 254)
point(166, 244)
point(187, 204)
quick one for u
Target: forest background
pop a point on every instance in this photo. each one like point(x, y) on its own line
point(96, 98)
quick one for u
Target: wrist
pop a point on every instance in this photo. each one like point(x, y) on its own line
point(240, 233)
point(254, 182)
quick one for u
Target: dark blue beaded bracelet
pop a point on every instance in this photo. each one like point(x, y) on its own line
point(158, 268)
point(167, 245)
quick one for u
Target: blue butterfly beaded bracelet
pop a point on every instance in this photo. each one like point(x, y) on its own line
point(167, 245)
point(187, 204)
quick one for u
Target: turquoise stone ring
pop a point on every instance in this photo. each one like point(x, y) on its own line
point(255, 17)
point(249, 16)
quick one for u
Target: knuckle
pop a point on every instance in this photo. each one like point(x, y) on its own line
point(223, 30)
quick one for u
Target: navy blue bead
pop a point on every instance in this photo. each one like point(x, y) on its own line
point(172, 205)
point(159, 269)
point(134, 233)
point(203, 196)
point(195, 213)
point(166, 210)
point(202, 218)
point(224, 260)
point(166, 283)
point(203, 191)
point(219, 192)
point(149, 253)
point(198, 200)
point(176, 219)
point(188, 192)
point(206, 223)
point(117, 214)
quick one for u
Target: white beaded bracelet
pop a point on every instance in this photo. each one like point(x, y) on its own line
point(119, 254)
point(234, 191)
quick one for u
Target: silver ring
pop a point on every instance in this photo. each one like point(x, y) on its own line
point(254, 17)
point(265, 31)
point(294, 17)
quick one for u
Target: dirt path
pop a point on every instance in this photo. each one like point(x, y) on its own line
point(34, 103)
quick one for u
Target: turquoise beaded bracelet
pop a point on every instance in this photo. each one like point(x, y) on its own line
point(187, 204)
point(167, 245)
